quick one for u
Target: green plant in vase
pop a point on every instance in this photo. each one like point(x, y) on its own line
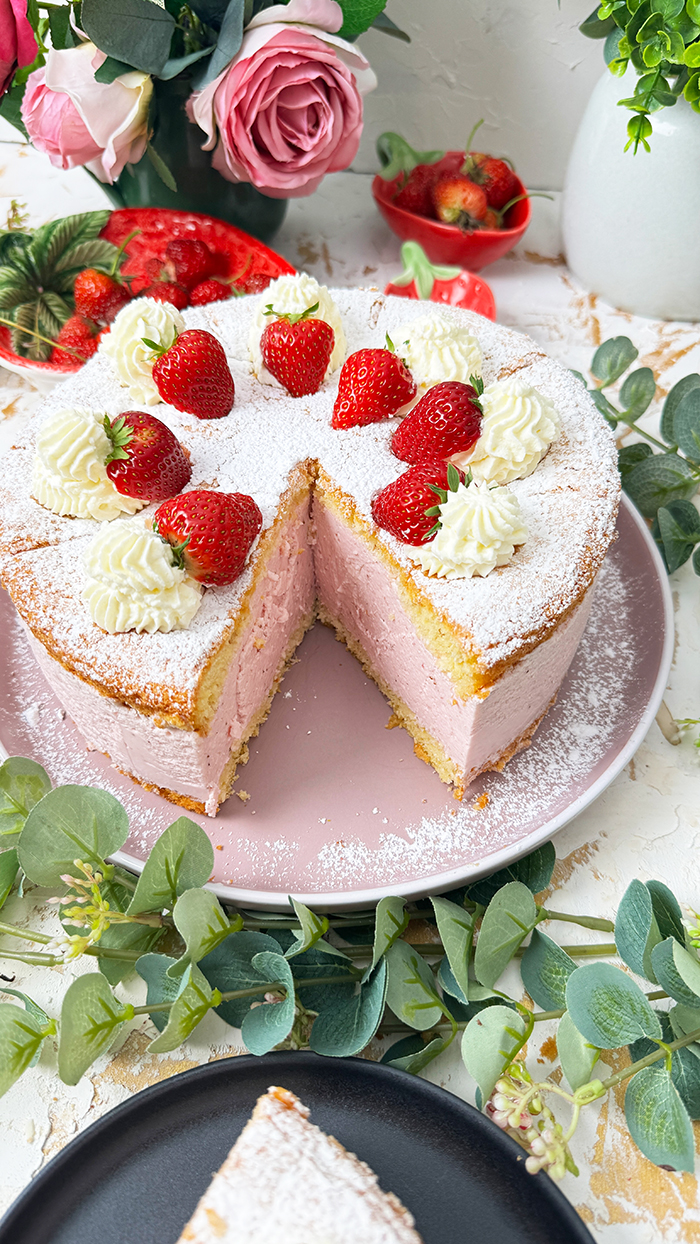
point(188, 105)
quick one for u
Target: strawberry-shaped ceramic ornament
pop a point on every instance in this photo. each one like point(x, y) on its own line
point(438, 283)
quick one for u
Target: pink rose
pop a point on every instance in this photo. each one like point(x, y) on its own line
point(17, 40)
point(288, 109)
point(75, 120)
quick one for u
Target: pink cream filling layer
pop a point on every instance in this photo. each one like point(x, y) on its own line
point(357, 590)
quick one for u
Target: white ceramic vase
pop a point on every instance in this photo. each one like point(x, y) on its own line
point(631, 223)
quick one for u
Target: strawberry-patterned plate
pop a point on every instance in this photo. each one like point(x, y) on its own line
point(240, 256)
point(337, 810)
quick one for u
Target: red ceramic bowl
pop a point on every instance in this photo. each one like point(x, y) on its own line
point(446, 243)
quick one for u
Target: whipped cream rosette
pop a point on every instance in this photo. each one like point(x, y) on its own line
point(294, 293)
point(133, 583)
point(481, 526)
point(69, 475)
point(124, 344)
point(518, 427)
point(436, 347)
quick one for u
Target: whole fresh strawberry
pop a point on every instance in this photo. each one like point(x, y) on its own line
point(78, 339)
point(402, 508)
point(99, 296)
point(416, 193)
point(167, 291)
point(209, 291)
point(211, 532)
point(193, 375)
point(191, 261)
point(296, 349)
point(495, 176)
point(146, 460)
point(446, 421)
point(458, 201)
point(373, 385)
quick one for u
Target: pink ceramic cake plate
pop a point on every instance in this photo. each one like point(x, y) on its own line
point(340, 810)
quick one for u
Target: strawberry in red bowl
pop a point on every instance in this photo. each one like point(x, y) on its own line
point(451, 202)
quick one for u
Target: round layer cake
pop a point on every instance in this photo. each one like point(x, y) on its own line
point(469, 665)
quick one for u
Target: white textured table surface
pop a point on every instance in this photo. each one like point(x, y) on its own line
point(647, 824)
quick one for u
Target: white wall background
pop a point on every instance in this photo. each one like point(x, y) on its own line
point(520, 64)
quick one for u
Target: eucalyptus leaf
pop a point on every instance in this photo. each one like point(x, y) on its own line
point(137, 32)
point(91, 1016)
point(312, 929)
point(630, 455)
point(679, 531)
point(411, 991)
point(348, 1027)
point(673, 400)
point(612, 359)
point(202, 924)
point(489, 1043)
point(637, 392)
point(405, 1046)
point(22, 784)
point(684, 1021)
point(508, 919)
point(319, 962)
point(685, 1066)
point(667, 912)
point(417, 1061)
point(71, 822)
point(265, 1026)
point(195, 999)
point(658, 480)
point(657, 1119)
point(182, 859)
point(533, 870)
point(669, 977)
point(545, 969)
point(38, 1013)
point(390, 922)
point(576, 1055)
point(456, 929)
point(21, 1036)
point(607, 1007)
point(636, 930)
point(230, 966)
point(153, 969)
point(8, 872)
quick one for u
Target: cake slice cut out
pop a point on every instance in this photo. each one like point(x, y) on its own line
point(287, 1182)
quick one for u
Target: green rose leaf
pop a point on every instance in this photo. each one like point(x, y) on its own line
point(489, 1043)
point(91, 1016)
point(638, 391)
point(678, 973)
point(391, 921)
point(182, 859)
point(673, 400)
point(686, 424)
point(265, 1026)
point(193, 1002)
point(21, 1036)
point(135, 31)
point(545, 969)
point(411, 991)
point(608, 1008)
point(630, 455)
point(153, 969)
point(576, 1055)
point(111, 69)
point(636, 930)
point(533, 870)
point(22, 784)
point(230, 966)
point(347, 1028)
point(508, 919)
point(416, 1060)
point(202, 924)
point(657, 1119)
point(227, 44)
point(612, 359)
point(71, 822)
point(358, 16)
point(312, 929)
point(667, 911)
point(456, 929)
point(679, 531)
point(658, 480)
point(388, 27)
point(8, 871)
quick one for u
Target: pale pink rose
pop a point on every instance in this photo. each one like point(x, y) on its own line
point(17, 40)
point(75, 120)
point(288, 109)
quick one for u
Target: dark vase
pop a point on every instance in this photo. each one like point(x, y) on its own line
point(199, 187)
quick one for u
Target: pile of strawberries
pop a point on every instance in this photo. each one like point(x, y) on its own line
point(186, 278)
point(471, 190)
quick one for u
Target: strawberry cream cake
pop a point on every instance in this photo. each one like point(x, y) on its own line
point(167, 658)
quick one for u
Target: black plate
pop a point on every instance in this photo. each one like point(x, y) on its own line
point(135, 1176)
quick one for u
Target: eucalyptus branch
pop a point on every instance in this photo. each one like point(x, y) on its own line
point(662, 1052)
point(586, 922)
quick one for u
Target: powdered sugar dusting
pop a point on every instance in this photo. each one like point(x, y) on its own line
point(568, 504)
